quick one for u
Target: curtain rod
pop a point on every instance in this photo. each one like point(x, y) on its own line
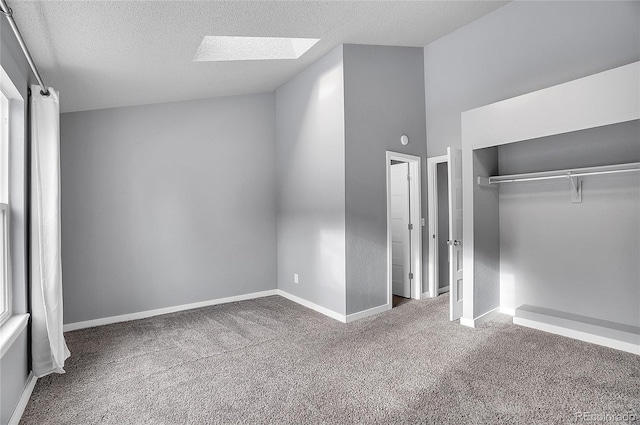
point(6, 11)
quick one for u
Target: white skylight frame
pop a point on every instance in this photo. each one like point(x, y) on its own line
point(214, 48)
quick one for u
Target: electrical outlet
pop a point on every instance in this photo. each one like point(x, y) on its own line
point(295, 278)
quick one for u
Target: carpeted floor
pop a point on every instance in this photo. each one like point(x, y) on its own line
point(272, 361)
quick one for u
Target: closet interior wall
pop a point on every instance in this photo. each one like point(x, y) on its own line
point(486, 235)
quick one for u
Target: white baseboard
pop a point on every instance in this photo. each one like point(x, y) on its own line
point(467, 322)
point(334, 315)
point(150, 313)
point(508, 310)
point(575, 334)
point(425, 295)
point(443, 290)
point(589, 329)
point(323, 310)
point(24, 399)
point(367, 313)
point(483, 318)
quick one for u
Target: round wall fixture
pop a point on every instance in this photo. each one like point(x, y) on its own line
point(404, 139)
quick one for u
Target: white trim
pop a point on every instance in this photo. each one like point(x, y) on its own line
point(575, 334)
point(605, 98)
point(10, 331)
point(332, 314)
point(508, 310)
point(10, 98)
point(7, 86)
point(415, 187)
point(483, 318)
point(24, 399)
point(432, 207)
point(15, 198)
point(426, 295)
point(443, 289)
point(467, 322)
point(366, 313)
point(6, 310)
point(322, 310)
point(150, 313)
point(468, 244)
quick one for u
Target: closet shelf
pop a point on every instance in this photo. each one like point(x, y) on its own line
point(560, 174)
point(571, 174)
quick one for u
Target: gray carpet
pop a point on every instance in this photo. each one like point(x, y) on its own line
point(272, 361)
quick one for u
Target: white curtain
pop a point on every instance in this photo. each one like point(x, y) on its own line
point(49, 350)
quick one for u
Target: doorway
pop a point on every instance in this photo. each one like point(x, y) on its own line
point(445, 228)
point(404, 228)
point(400, 231)
point(438, 236)
point(438, 175)
point(442, 226)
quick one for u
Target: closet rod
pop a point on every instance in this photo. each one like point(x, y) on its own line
point(8, 12)
point(560, 174)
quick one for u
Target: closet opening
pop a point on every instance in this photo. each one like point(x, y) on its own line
point(561, 238)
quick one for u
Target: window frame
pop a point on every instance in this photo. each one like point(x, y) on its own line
point(8, 93)
point(6, 309)
point(5, 277)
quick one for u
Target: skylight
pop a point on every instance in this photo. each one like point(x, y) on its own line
point(225, 48)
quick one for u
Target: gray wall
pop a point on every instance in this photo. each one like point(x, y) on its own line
point(15, 364)
point(522, 47)
point(167, 204)
point(579, 258)
point(311, 183)
point(486, 234)
point(443, 224)
point(384, 99)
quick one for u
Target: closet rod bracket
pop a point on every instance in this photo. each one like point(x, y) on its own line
point(485, 182)
point(576, 189)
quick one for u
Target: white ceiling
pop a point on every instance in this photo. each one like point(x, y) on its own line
point(102, 54)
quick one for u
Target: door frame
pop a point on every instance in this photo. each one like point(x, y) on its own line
point(432, 206)
point(415, 216)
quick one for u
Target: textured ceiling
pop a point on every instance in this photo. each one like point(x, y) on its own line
point(102, 54)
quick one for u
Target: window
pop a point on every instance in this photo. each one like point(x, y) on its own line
point(5, 281)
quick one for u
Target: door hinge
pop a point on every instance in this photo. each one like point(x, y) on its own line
point(409, 177)
point(410, 226)
point(410, 275)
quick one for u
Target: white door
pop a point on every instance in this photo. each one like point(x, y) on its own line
point(455, 233)
point(400, 231)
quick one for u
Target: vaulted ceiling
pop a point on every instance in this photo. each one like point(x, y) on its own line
point(102, 54)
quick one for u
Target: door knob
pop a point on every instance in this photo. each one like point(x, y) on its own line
point(456, 243)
